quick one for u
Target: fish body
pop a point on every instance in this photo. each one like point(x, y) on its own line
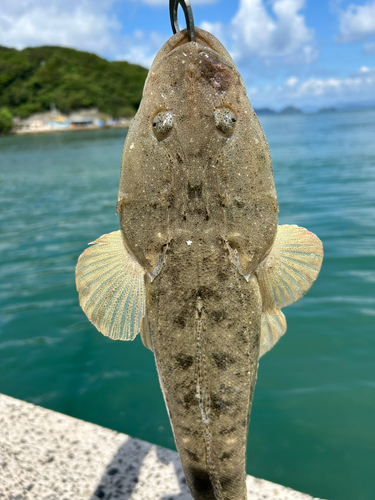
point(199, 267)
point(205, 339)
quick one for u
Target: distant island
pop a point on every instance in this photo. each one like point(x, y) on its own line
point(292, 110)
point(288, 110)
point(327, 110)
point(33, 79)
point(265, 111)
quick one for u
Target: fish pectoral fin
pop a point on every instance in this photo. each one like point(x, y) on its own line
point(284, 276)
point(110, 284)
point(290, 268)
point(273, 326)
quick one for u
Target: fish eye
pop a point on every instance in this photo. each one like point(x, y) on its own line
point(162, 124)
point(225, 120)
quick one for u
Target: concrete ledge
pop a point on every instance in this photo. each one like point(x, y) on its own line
point(50, 456)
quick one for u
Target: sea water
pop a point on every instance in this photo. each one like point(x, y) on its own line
point(312, 423)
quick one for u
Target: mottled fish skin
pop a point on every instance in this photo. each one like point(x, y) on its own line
point(202, 196)
point(206, 343)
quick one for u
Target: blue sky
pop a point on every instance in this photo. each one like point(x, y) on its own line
point(307, 53)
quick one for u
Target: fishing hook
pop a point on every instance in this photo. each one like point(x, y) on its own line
point(186, 7)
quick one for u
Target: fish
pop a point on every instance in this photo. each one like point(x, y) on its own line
point(200, 267)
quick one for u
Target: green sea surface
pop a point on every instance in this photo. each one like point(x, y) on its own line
point(313, 419)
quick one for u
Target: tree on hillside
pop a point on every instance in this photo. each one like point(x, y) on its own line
point(5, 121)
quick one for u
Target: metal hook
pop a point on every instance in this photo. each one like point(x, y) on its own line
point(185, 4)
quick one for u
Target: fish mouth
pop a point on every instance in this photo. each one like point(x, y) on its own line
point(203, 38)
point(204, 42)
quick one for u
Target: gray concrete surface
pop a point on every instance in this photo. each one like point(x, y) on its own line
point(45, 455)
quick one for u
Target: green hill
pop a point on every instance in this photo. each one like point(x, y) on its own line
point(33, 78)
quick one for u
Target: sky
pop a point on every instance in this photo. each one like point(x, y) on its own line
point(306, 53)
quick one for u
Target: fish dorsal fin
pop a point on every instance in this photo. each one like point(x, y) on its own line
point(110, 284)
point(284, 276)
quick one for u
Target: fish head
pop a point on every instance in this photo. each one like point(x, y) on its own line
point(193, 87)
point(194, 123)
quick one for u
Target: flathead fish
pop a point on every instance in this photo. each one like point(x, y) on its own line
point(200, 267)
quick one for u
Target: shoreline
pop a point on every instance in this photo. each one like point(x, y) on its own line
point(68, 129)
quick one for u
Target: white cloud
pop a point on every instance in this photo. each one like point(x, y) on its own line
point(217, 29)
point(318, 87)
point(284, 35)
point(141, 47)
point(318, 92)
point(292, 81)
point(356, 22)
point(73, 23)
